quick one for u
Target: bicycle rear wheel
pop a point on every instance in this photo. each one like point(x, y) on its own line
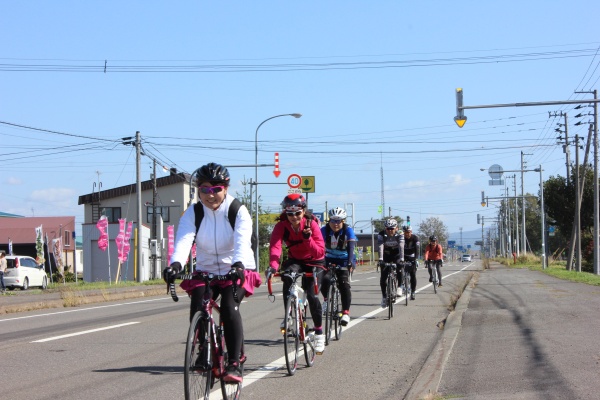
point(198, 378)
point(329, 313)
point(230, 390)
point(337, 314)
point(309, 344)
point(291, 337)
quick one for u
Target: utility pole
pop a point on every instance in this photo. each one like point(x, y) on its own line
point(565, 144)
point(138, 189)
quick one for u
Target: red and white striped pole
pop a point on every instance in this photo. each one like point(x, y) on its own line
point(276, 172)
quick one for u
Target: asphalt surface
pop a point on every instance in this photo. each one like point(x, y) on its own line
point(515, 334)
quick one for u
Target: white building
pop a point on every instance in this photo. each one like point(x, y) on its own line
point(170, 198)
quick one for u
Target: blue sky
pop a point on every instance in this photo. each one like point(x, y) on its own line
point(374, 81)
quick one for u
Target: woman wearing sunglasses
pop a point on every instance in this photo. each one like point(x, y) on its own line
point(306, 250)
point(221, 250)
point(340, 241)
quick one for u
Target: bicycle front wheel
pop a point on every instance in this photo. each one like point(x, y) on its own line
point(406, 287)
point(198, 378)
point(291, 337)
point(329, 313)
point(434, 278)
point(337, 314)
point(391, 299)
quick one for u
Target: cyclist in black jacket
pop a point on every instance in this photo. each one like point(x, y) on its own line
point(391, 250)
point(412, 247)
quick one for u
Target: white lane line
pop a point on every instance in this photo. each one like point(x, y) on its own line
point(85, 309)
point(83, 332)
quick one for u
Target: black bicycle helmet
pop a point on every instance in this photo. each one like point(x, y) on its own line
point(293, 202)
point(213, 173)
point(407, 228)
point(432, 238)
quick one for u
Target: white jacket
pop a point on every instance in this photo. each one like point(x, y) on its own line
point(218, 246)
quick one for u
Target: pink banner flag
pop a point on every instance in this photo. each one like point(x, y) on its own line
point(126, 243)
point(102, 226)
point(120, 240)
point(171, 244)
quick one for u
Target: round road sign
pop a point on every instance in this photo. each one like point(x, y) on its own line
point(294, 181)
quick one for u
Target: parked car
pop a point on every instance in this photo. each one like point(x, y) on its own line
point(466, 257)
point(24, 272)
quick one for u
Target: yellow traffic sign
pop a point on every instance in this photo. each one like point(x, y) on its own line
point(308, 184)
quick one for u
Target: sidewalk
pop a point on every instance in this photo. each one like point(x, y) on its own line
point(518, 334)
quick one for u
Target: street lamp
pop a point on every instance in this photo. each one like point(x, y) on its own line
point(295, 115)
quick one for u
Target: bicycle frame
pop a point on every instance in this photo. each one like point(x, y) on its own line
point(212, 342)
point(391, 288)
point(299, 331)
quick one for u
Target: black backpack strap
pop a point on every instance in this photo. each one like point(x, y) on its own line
point(233, 210)
point(198, 214)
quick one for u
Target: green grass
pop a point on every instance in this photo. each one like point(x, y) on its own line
point(81, 285)
point(555, 268)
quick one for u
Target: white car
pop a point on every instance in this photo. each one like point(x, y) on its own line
point(466, 257)
point(23, 272)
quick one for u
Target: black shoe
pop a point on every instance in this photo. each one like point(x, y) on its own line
point(412, 296)
point(430, 279)
point(440, 284)
point(233, 373)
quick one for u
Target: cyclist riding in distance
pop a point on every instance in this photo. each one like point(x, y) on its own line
point(340, 241)
point(306, 250)
point(411, 252)
point(434, 253)
point(220, 250)
point(391, 250)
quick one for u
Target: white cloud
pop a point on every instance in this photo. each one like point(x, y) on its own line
point(53, 195)
point(13, 181)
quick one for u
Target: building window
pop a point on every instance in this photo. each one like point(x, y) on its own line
point(162, 211)
point(112, 213)
point(67, 240)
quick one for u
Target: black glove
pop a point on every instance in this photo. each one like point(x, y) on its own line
point(171, 272)
point(237, 271)
point(381, 264)
point(306, 233)
point(269, 271)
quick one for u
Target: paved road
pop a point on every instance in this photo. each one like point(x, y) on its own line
point(516, 334)
point(524, 335)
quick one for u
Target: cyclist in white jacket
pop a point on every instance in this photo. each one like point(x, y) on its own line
point(221, 250)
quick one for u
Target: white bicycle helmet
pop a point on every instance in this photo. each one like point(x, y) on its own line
point(391, 223)
point(337, 213)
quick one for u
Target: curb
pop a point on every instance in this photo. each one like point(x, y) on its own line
point(427, 381)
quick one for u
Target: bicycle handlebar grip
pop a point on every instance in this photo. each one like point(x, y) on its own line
point(173, 292)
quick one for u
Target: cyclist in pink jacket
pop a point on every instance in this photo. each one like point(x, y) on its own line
point(302, 236)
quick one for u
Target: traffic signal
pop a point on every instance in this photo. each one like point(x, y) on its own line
point(478, 219)
point(460, 118)
point(408, 220)
point(483, 202)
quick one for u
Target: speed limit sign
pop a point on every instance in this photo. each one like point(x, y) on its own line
point(294, 181)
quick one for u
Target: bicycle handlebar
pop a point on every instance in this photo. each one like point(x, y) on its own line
point(207, 277)
point(298, 274)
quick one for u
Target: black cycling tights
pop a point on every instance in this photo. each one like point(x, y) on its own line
point(343, 280)
point(230, 316)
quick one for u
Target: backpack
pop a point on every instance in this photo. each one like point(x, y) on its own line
point(231, 215)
